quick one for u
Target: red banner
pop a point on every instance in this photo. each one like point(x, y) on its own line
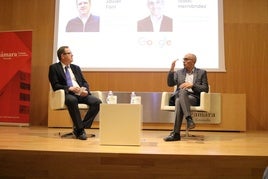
point(15, 77)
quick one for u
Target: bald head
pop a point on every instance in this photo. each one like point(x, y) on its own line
point(190, 56)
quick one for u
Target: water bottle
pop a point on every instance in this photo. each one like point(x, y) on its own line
point(132, 97)
point(108, 99)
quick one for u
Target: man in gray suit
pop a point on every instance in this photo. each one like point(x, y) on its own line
point(190, 81)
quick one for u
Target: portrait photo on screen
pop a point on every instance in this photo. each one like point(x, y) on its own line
point(141, 35)
point(156, 21)
point(85, 21)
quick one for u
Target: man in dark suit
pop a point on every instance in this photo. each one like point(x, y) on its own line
point(156, 22)
point(85, 22)
point(190, 82)
point(67, 76)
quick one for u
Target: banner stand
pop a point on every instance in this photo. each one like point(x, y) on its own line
point(15, 72)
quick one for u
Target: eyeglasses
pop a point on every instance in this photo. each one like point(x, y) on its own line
point(186, 59)
point(67, 53)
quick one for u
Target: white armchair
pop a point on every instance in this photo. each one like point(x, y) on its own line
point(58, 115)
point(204, 104)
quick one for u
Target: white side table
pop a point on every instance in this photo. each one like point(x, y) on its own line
point(120, 124)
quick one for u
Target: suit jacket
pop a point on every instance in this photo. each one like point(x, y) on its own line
point(146, 25)
point(57, 77)
point(76, 25)
point(200, 80)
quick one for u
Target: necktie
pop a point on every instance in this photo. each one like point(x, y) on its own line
point(68, 76)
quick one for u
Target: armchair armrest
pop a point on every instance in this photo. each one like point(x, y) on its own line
point(97, 94)
point(56, 99)
point(165, 102)
point(204, 103)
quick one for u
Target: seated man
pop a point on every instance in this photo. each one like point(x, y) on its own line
point(190, 81)
point(67, 76)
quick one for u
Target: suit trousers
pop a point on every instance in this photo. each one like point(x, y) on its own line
point(72, 102)
point(184, 100)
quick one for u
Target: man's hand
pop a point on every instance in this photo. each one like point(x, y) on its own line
point(84, 93)
point(173, 64)
point(79, 91)
point(186, 85)
point(74, 89)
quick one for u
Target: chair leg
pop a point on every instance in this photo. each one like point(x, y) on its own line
point(187, 132)
point(187, 135)
point(72, 135)
point(69, 134)
point(192, 137)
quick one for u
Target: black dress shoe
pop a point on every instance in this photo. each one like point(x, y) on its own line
point(80, 135)
point(172, 137)
point(75, 132)
point(190, 124)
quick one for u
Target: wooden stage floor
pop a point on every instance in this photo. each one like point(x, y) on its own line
point(39, 152)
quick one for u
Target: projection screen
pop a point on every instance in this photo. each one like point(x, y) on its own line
point(120, 44)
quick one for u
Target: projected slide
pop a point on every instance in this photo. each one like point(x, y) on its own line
point(140, 35)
